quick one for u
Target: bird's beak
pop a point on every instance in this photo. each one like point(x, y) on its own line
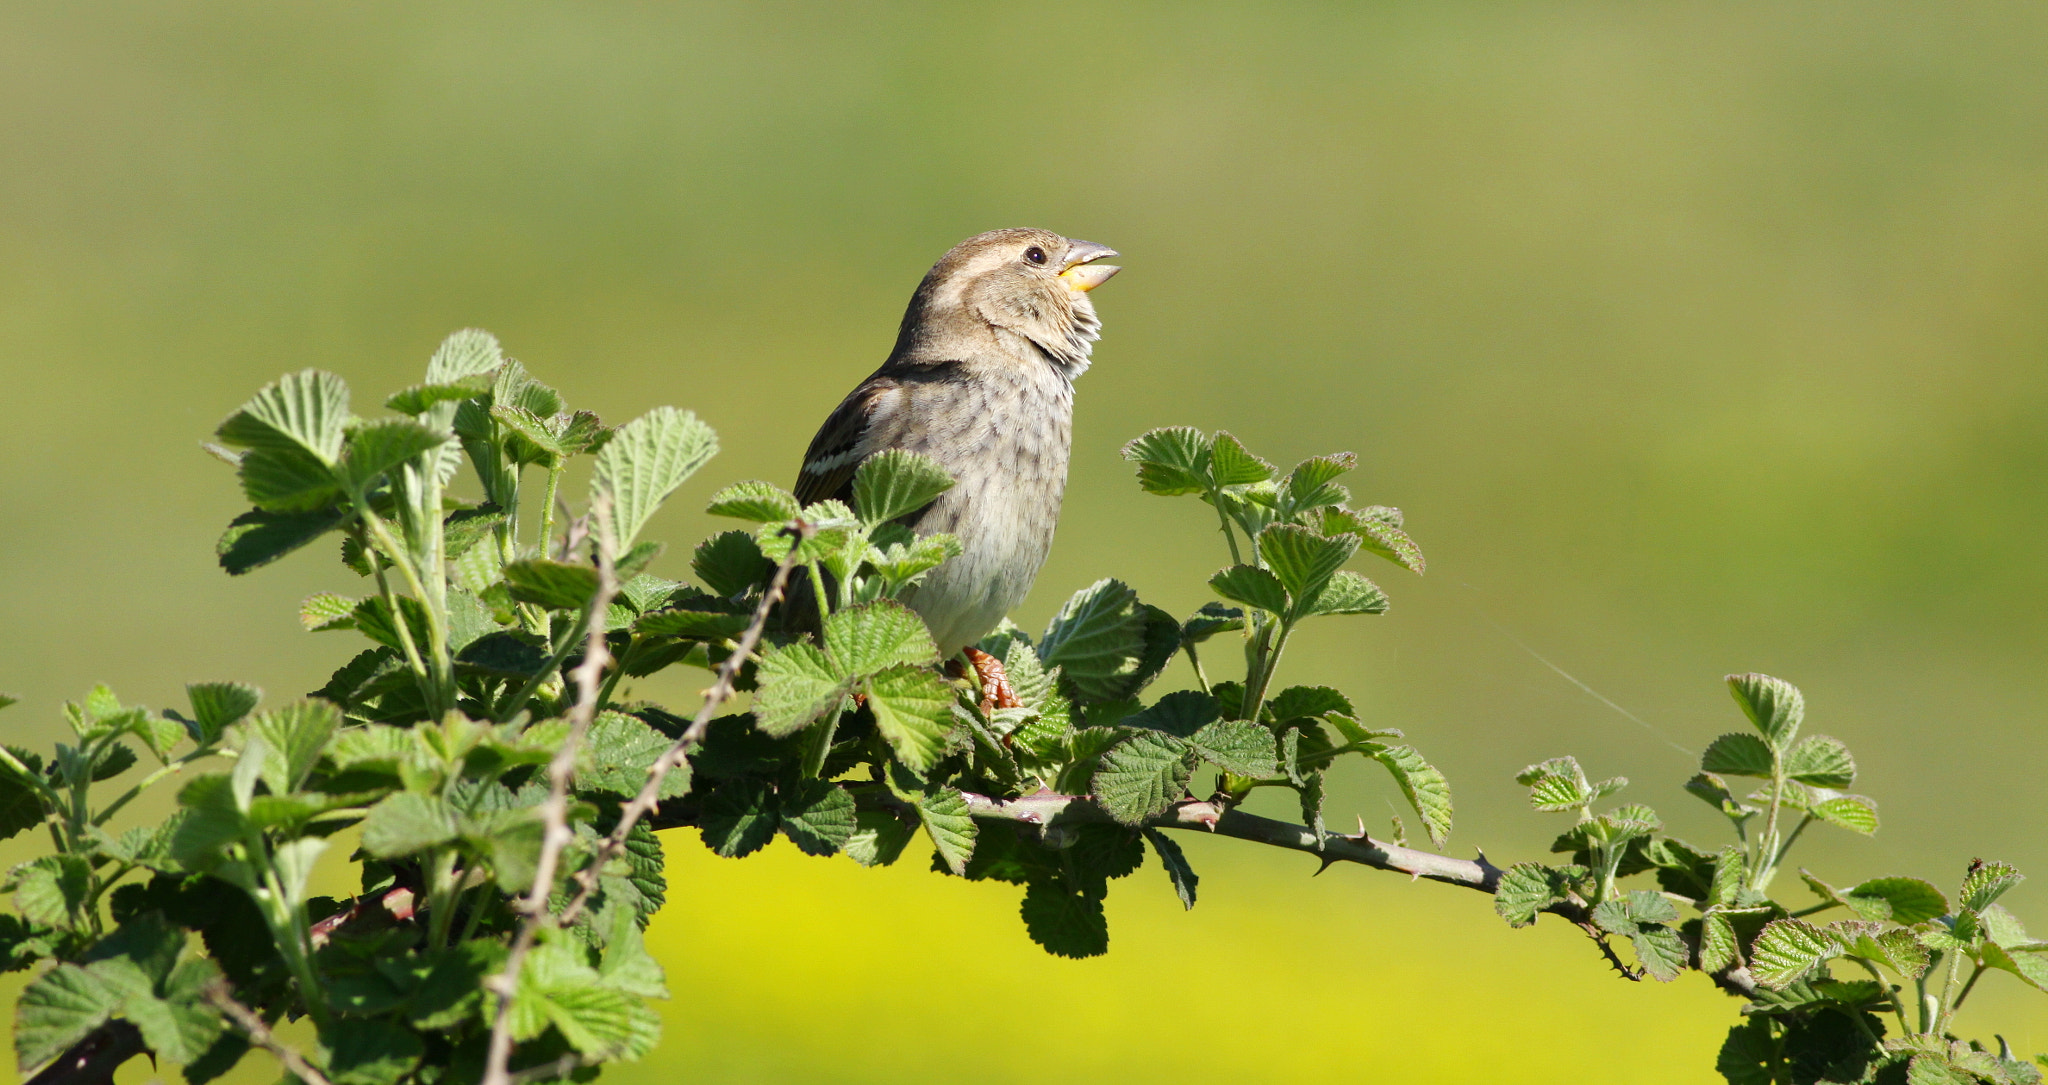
point(1081, 272)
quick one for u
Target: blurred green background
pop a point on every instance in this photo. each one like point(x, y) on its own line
point(1692, 338)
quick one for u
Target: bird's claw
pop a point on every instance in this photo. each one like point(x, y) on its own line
point(995, 682)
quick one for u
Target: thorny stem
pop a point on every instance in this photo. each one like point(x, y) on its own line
point(1223, 521)
point(1948, 986)
point(1267, 662)
point(1765, 865)
point(1786, 848)
point(1898, 1008)
point(1976, 972)
point(1195, 661)
point(440, 668)
point(259, 1033)
point(556, 834)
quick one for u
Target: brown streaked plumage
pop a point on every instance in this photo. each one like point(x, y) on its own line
point(981, 380)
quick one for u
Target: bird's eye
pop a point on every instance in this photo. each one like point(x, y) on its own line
point(1035, 254)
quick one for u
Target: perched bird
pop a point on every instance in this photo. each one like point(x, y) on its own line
point(981, 380)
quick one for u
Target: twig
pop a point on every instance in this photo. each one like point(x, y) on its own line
point(259, 1033)
point(721, 691)
point(556, 834)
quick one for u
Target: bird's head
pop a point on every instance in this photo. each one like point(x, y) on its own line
point(1018, 284)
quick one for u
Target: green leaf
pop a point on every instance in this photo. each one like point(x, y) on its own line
point(1230, 464)
point(913, 710)
point(300, 411)
point(1211, 619)
point(1556, 784)
point(534, 430)
point(878, 838)
point(54, 890)
point(407, 822)
point(1252, 586)
point(697, 617)
point(1738, 754)
point(1067, 922)
point(325, 610)
point(1376, 536)
point(372, 1051)
point(1178, 871)
point(375, 448)
point(1659, 951)
point(1142, 775)
point(56, 1010)
point(1855, 813)
point(1901, 900)
point(896, 482)
point(1713, 791)
point(1311, 484)
point(1345, 592)
point(730, 563)
point(876, 636)
point(421, 398)
point(1171, 461)
point(2030, 966)
point(818, 817)
point(1526, 889)
point(1787, 949)
point(739, 818)
point(1180, 714)
point(256, 538)
point(645, 461)
point(1098, 641)
point(465, 353)
point(626, 965)
point(1822, 762)
point(797, 685)
point(1426, 789)
point(620, 749)
point(293, 738)
point(288, 480)
point(556, 585)
point(21, 803)
point(947, 821)
point(1749, 1054)
point(1985, 883)
point(1303, 560)
point(1720, 949)
point(1237, 747)
point(180, 1026)
point(759, 502)
point(1772, 704)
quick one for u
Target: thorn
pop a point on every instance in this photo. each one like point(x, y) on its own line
point(1326, 864)
point(1361, 828)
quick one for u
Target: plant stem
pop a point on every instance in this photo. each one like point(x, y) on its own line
point(1948, 985)
point(440, 689)
point(1898, 1008)
point(547, 505)
point(107, 812)
point(1976, 972)
point(611, 682)
point(818, 741)
point(1269, 662)
point(1223, 521)
point(1786, 848)
point(1195, 661)
point(1764, 865)
point(548, 670)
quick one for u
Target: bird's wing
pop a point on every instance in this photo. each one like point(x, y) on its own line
point(850, 434)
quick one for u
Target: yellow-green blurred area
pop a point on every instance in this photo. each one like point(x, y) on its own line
point(1692, 338)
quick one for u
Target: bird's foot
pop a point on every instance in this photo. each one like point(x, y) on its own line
point(995, 682)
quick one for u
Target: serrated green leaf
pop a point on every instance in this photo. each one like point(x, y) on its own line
point(1787, 949)
point(759, 502)
point(730, 563)
point(54, 890)
point(739, 818)
point(1738, 754)
point(1526, 889)
point(797, 685)
point(1237, 747)
point(701, 617)
point(325, 610)
point(56, 1010)
point(180, 1026)
point(1659, 951)
point(1211, 619)
point(1985, 883)
point(896, 482)
point(375, 448)
point(293, 739)
point(2030, 966)
point(620, 749)
point(1067, 922)
point(1178, 871)
point(1179, 714)
point(1772, 704)
point(536, 431)
point(465, 353)
point(913, 710)
point(1556, 784)
point(1855, 813)
point(1720, 949)
point(819, 817)
point(876, 636)
point(556, 585)
point(1426, 789)
point(257, 537)
point(1376, 535)
point(302, 411)
point(1312, 483)
point(878, 838)
point(1231, 464)
point(645, 461)
point(1822, 762)
point(1345, 592)
point(1098, 641)
point(1303, 560)
point(947, 821)
point(407, 822)
point(1252, 586)
point(420, 398)
point(1901, 900)
point(1142, 775)
point(1714, 792)
point(1171, 461)
point(288, 480)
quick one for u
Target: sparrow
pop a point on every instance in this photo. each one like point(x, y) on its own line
point(982, 380)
